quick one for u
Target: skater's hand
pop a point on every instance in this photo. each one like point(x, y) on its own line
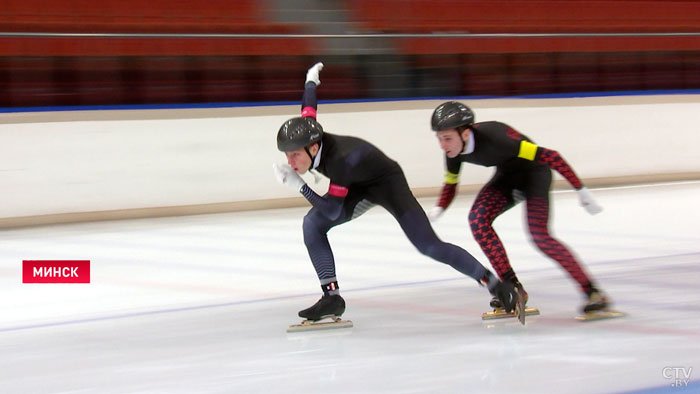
point(518, 196)
point(435, 212)
point(587, 201)
point(287, 176)
point(313, 74)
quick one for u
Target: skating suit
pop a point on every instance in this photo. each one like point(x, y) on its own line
point(362, 176)
point(523, 171)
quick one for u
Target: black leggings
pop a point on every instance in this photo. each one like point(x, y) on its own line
point(394, 195)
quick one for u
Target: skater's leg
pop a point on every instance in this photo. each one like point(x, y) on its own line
point(538, 222)
point(316, 227)
point(396, 197)
point(489, 204)
point(418, 230)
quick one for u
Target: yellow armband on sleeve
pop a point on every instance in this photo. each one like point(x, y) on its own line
point(527, 150)
point(451, 178)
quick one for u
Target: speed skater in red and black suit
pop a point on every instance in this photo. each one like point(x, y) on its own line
point(523, 172)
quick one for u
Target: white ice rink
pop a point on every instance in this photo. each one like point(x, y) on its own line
point(200, 304)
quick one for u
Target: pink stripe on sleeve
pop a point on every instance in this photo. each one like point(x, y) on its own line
point(308, 111)
point(337, 191)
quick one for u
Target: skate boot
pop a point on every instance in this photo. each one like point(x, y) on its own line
point(596, 302)
point(597, 307)
point(496, 303)
point(324, 314)
point(510, 299)
point(327, 306)
point(500, 313)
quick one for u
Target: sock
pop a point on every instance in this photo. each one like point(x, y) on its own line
point(510, 276)
point(490, 280)
point(589, 289)
point(330, 286)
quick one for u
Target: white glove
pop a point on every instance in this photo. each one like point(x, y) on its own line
point(587, 201)
point(312, 74)
point(518, 196)
point(287, 176)
point(435, 212)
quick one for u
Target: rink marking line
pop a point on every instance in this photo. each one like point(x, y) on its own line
point(636, 278)
point(620, 325)
point(139, 314)
point(216, 251)
point(201, 307)
point(617, 262)
point(110, 248)
point(288, 297)
point(651, 330)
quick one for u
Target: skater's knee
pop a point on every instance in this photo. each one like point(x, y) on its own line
point(427, 246)
point(474, 214)
point(309, 223)
point(474, 219)
point(313, 224)
point(478, 222)
point(541, 240)
point(427, 250)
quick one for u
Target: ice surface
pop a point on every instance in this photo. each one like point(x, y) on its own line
point(201, 304)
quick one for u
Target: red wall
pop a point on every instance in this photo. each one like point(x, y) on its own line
point(39, 71)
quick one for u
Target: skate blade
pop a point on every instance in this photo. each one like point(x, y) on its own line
point(501, 314)
point(520, 310)
point(600, 315)
point(310, 325)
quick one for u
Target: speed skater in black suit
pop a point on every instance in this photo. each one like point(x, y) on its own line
point(361, 176)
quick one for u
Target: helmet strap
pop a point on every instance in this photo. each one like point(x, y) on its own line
point(460, 130)
point(308, 152)
point(306, 149)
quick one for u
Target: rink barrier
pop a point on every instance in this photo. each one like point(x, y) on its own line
point(295, 202)
point(128, 164)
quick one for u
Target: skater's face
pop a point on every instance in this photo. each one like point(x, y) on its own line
point(452, 142)
point(299, 160)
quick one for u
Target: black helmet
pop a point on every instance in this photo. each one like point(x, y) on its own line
point(298, 133)
point(451, 115)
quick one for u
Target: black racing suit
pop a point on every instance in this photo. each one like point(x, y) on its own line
point(362, 176)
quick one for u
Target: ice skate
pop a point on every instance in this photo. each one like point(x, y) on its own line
point(500, 313)
point(597, 307)
point(511, 301)
point(324, 314)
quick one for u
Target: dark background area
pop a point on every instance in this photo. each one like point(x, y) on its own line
point(373, 49)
